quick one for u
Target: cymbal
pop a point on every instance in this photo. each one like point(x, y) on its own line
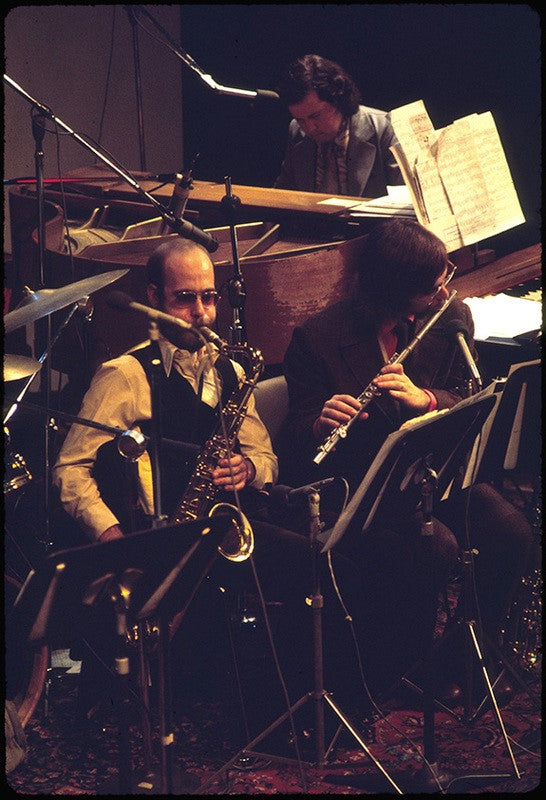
point(16, 367)
point(46, 301)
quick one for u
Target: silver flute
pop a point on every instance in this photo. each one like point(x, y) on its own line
point(371, 391)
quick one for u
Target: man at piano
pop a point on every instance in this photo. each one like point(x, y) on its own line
point(91, 475)
point(403, 276)
point(335, 145)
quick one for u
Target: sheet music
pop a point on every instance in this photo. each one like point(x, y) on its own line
point(502, 316)
point(352, 506)
point(413, 128)
point(458, 176)
point(475, 173)
point(397, 202)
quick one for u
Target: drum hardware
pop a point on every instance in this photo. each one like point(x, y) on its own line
point(16, 472)
point(35, 306)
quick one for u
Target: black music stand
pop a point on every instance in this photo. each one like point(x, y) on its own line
point(144, 574)
point(319, 695)
point(512, 449)
point(412, 466)
point(513, 442)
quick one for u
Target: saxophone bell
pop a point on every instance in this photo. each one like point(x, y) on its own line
point(238, 543)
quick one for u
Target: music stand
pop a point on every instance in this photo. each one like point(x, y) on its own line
point(413, 464)
point(150, 572)
point(513, 439)
point(319, 695)
point(511, 447)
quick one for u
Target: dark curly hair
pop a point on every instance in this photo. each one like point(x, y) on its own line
point(330, 81)
point(400, 260)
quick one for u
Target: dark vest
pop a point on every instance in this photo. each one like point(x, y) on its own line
point(184, 417)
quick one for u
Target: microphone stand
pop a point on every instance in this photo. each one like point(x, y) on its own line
point(236, 285)
point(179, 226)
point(159, 520)
point(156, 364)
point(205, 77)
point(186, 781)
point(138, 87)
point(433, 780)
point(319, 695)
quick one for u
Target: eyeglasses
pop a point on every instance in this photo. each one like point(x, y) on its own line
point(445, 282)
point(209, 297)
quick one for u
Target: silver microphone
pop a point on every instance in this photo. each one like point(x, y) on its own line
point(461, 332)
point(121, 300)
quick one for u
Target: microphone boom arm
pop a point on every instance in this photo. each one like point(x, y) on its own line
point(192, 64)
point(180, 226)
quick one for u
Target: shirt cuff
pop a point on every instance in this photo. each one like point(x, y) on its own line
point(433, 402)
point(96, 520)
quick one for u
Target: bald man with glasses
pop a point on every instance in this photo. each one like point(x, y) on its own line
point(106, 503)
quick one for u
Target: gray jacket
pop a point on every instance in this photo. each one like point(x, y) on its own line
point(370, 164)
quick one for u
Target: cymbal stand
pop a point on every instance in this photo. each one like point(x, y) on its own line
point(46, 538)
point(38, 132)
point(236, 285)
point(13, 408)
point(319, 695)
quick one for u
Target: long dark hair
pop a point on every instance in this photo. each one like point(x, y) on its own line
point(326, 78)
point(400, 260)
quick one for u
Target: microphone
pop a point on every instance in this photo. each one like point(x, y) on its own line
point(121, 300)
point(458, 327)
point(288, 495)
point(185, 228)
point(267, 94)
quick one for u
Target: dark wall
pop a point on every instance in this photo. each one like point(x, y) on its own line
point(459, 59)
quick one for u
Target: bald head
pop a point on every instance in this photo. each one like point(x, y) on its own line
point(181, 283)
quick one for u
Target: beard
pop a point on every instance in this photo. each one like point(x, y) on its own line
point(181, 338)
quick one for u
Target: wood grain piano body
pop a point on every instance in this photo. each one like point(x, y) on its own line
point(297, 275)
point(294, 278)
point(502, 274)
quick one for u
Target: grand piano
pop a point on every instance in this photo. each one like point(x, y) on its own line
point(296, 255)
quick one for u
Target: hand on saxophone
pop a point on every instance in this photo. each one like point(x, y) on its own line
point(393, 379)
point(337, 410)
point(233, 474)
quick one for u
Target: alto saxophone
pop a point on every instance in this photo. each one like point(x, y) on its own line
point(200, 494)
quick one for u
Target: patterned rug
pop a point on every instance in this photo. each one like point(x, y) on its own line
point(64, 759)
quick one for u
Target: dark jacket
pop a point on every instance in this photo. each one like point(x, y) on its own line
point(335, 353)
point(370, 164)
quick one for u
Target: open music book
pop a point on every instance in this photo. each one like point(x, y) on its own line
point(458, 177)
